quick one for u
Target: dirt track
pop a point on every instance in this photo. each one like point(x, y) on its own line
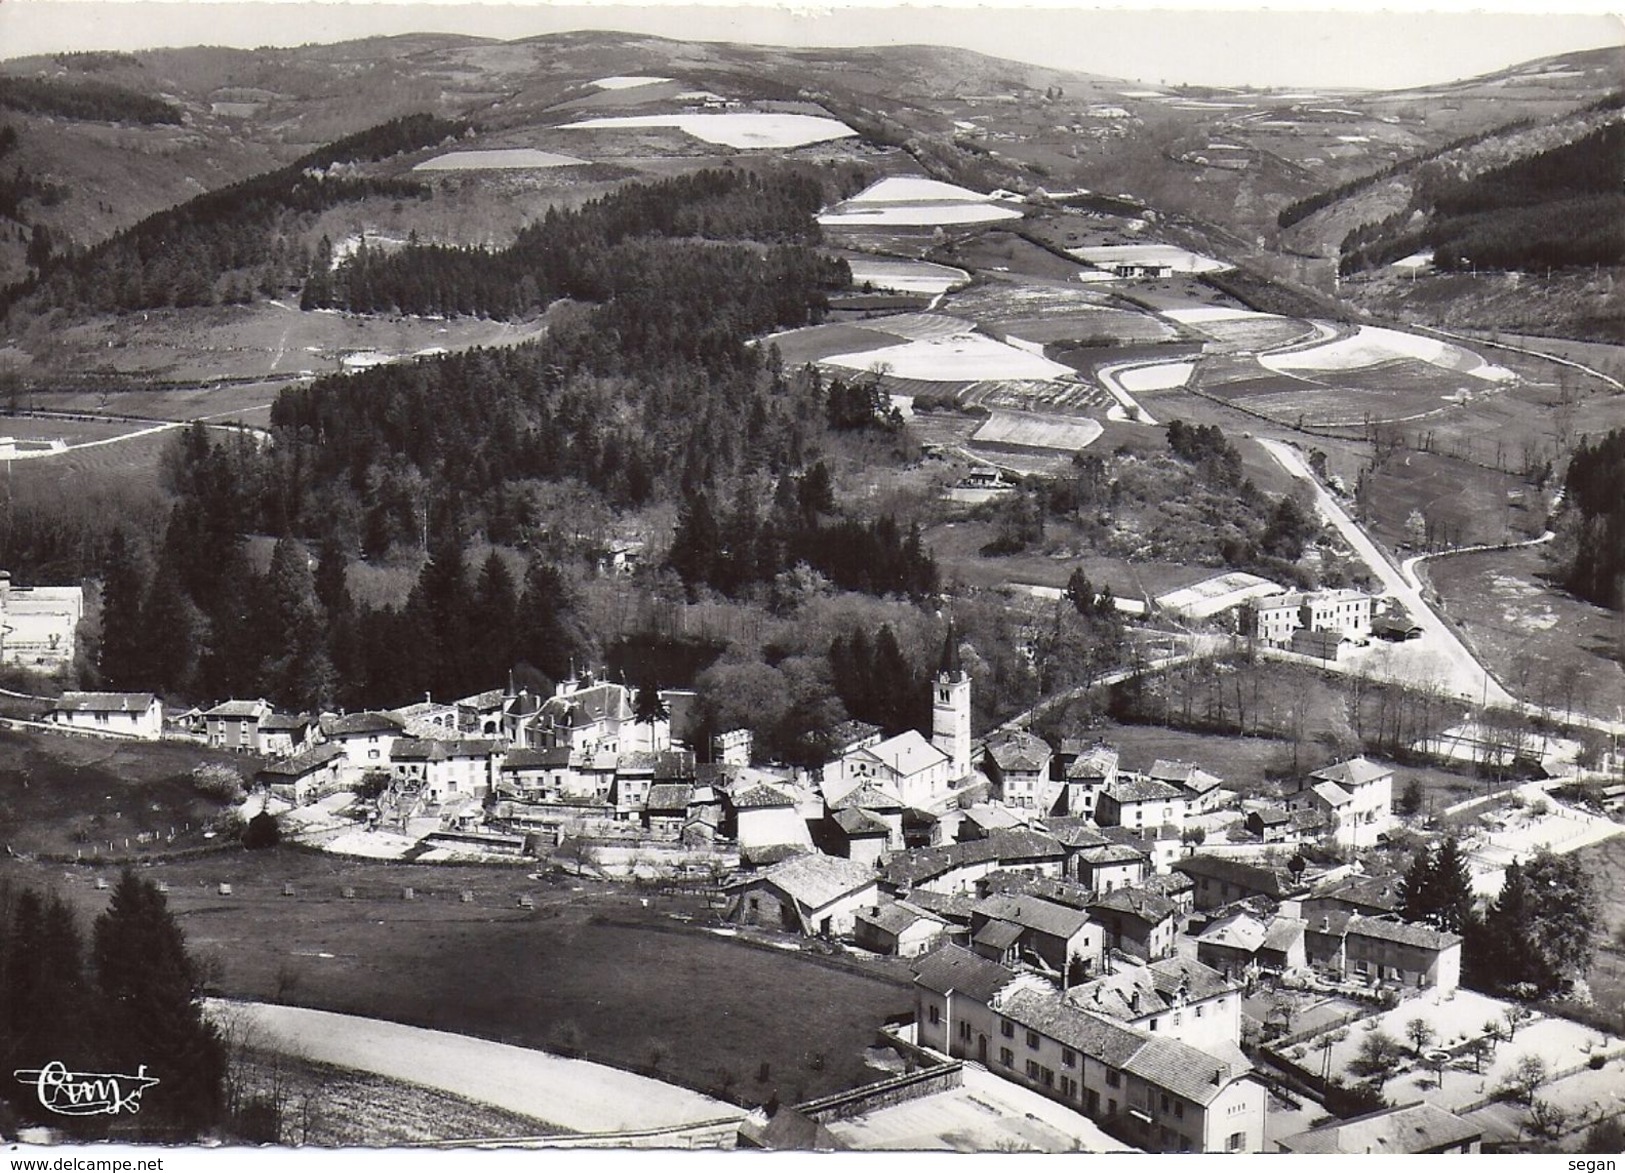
point(570, 1093)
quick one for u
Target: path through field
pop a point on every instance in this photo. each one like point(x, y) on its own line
point(571, 1093)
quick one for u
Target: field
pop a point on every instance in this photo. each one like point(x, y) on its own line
point(955, 358)
point(814, 343)
point(246, 402)
point(1374, 345)
point(1476, 505)
point(126, 465)
point(1531, 634)
point(511, 158)
point(61, 794)
point(273, 340)
point(915, 202)
point(71, 431)
point(591, 968)
point(957, 545)
point(741, 131)
point(905, 276)
point(1028, 430)
point(1182, 260)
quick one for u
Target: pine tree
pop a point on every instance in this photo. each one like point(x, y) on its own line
point(151, 1013)
point(123, 650)
point(298, 669)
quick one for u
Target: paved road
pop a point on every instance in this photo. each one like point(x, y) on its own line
point(1467, 677)
point(570, 1093)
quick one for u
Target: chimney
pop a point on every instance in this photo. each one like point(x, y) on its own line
point(1134, 1001)
point(1325, 924)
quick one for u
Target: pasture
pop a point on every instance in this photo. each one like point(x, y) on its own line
point(1544, 644)
point(1182, 260)
point(128, 465)
point(503, 159)
point(1475, 505)
point(904, 276)
point(619, 975)
point(957, 357)
point(1031, 430)
point(746, 131)
point(60, 794)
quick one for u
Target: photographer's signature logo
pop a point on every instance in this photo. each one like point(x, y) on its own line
point(76, 1093)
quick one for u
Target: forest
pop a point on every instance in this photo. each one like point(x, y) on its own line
point(1594, 526)
point(89, 101)
point(1556, 209)
point(231, 243)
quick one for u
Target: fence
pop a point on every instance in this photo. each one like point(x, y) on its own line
point(722, 1133)
point(871, 1097)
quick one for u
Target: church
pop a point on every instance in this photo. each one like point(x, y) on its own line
point(924, 775)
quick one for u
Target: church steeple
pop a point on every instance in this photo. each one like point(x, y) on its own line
point(949, 664)
point(950, 708)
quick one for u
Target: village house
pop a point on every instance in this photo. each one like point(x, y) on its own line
point(861, 835)
point(1018, 765)
point(1108, 866)
point(1027, 930)
point(366, 738)
point(1157, 1093)
point(438, 769)
point(1163, 845)
point(1280, 826)
point(879, 802)
point(593, 716)
point(307, 777)
point(116, 714)
point(979, 820)
point(1367, 895)
point(1136, 802)
point(1137, 921)
point(1243, 945)
point(1395, 953)
point(1087, 777)
point(1220, 881)
point(665, 809)
point(815, 895)
point(428, 719)
point(1202, 791)
point(1356, 798)
point(235, 725)
point(1413, 1128)
point(285, 734)
point(766, 814)
point(958, 867)
point(1177, 998)
point(537, 775)
point(898, 929)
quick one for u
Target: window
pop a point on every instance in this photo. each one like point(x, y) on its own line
point(1178, 1018)
point(1047, 1076)
point(1069, 1087)
point(1111, 1107)
point(1007, 1029)
point(1032, 1069)
point(1093, 1099)
point(935, 1015)
point(1154, 1022)
point(1007, 1056)
point(1069, 1057)
point(1179, 1109)
point(1236, 1142)
point(1114, 1079)
point(1032, 1040)
point(1198, 1012)
point(1164, 1105)
point(964, 1031)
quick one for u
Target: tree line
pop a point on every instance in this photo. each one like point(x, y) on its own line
point(1594, 526)
point(85, 101)
point(127, 997)
point(232, 242)
point(1553, 209)
point(585, 253)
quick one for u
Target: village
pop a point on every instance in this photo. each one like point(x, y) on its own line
point(1134, 941)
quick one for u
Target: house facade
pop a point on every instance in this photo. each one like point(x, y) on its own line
point(1136, 802)
point(117, 714)
point(235, 725)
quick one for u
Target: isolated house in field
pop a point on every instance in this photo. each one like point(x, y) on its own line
point(1202, 790)
point(898, 929)
point(1157, 1093)
point(1177, 998)
point(1087, 776)
point(1413, 1128)
point(118, 714)
point(308, 776)
point(815, 895)
point(366, 738)
point(1136, 802)
point(235, 725)
point(1018, 764)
